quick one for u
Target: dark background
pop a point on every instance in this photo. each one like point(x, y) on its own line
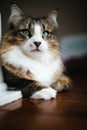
point(72, 14)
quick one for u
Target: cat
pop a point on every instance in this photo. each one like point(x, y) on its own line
point(30, 56)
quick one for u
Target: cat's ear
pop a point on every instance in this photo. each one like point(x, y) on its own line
point(16, 14)
point(52, 18)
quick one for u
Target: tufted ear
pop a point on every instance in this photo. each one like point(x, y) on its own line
point(52, 18)
point(16, 14)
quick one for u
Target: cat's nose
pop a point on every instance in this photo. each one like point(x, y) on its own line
point(37, 44)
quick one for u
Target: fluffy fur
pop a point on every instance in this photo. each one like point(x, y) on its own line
point(30, 56)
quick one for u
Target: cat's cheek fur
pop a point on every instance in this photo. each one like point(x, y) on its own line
point(43, 47)
point(46, 94)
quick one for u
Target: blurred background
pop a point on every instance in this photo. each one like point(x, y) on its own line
point(72, 31)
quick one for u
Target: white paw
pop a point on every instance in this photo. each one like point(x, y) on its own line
point(46, 93)
point(3, 86)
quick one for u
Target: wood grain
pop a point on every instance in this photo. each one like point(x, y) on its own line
point(67, 112)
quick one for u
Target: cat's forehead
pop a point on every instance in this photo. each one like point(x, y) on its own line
point(30, 23)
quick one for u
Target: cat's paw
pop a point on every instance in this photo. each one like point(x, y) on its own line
point(46, 94)
point(63, 84)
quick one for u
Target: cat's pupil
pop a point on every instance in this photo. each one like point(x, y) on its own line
point(25, 33)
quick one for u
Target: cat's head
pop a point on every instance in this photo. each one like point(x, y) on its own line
point(33, 36)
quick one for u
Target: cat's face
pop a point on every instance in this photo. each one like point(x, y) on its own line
point(33, 36)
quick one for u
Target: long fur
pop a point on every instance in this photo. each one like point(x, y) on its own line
point(30, 56)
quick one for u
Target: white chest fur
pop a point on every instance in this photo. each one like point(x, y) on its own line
point(42, 70)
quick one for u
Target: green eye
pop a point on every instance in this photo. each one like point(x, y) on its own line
point(45, 34)
point(25, 33)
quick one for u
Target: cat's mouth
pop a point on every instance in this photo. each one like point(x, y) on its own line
point(36, 50)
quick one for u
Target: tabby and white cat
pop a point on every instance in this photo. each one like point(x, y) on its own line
point(30, 56)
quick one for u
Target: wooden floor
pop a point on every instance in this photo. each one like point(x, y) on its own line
point(67, 112)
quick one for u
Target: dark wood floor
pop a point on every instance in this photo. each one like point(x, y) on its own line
point(67, 112)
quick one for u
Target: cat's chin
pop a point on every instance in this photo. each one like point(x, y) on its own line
point(34, 53)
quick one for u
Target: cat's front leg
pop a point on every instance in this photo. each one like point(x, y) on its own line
point(62, 84)
point(45, 93)
point(31, 89)
point(35, 90)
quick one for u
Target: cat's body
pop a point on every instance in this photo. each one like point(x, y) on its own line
point(30, 56)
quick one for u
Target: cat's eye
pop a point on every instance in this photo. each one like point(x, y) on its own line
point(45, 34)
point(25, 33)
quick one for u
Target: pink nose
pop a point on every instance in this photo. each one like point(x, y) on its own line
point(37, 44)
